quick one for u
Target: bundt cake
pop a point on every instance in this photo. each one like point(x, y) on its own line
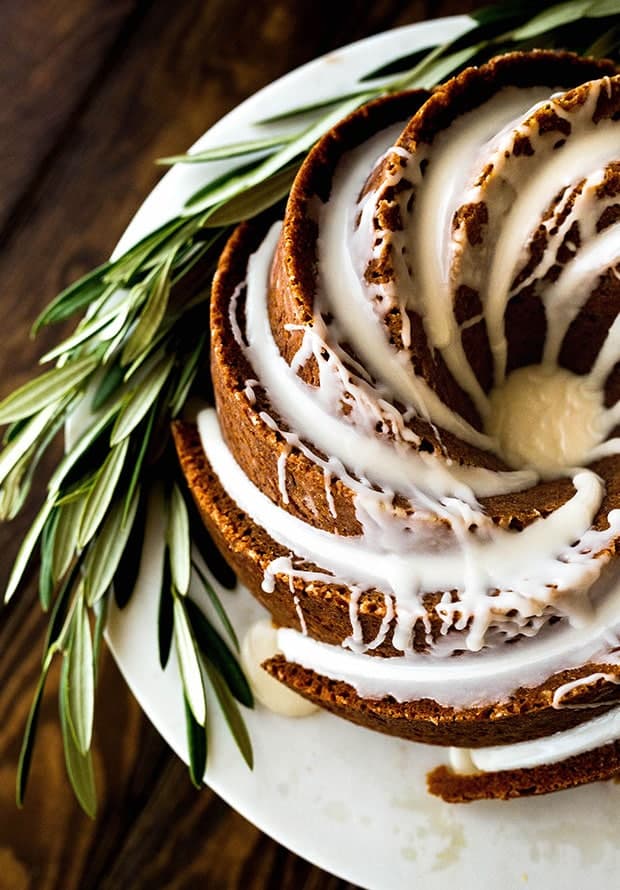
point(413, 462)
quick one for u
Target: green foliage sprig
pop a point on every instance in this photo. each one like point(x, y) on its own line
point(133, 360)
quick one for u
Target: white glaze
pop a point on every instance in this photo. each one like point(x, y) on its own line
point(507, 584)
point(553, 748)
point(562, 691)
point(518, 565)
point(546, 418)
point(258, 645)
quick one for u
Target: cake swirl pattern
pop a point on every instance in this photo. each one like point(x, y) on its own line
point(439, 255)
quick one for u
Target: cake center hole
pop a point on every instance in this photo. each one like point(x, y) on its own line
point(546, 419)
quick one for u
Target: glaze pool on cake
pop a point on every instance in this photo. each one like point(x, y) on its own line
point(368, 354)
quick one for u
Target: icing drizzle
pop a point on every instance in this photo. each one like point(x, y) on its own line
point(494, 584)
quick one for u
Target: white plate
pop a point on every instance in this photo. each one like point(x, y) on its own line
point(350, 800)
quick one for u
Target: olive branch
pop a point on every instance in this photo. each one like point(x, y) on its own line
point(132, 362)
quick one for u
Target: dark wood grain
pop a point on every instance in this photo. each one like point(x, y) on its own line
point(90, 92)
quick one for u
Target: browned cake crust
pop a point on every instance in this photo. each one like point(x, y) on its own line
point(526, 325)
point(257, 446)
point(248, 549)
point(591, 766)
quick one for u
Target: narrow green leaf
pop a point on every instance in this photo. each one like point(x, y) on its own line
point(77, 296)
point(190, 258)
point(138, 462)
point(101, 612)
point(224, 152)
point(151, 315)
point(11, 489)
point(232, 714)
point(75, 492)
point(165, 617)
point(209, 553)
point(25, 440)
point(434, 72)
point(110, 383)
point(147, 354)
point(104, 553)
point(189, 663)
point(60, 619)
point(79, 764)
point(175, 244)
point(130, 264)
point(46, 577)
point(80, 678)
point(179, 396)
point(27, 547)
point(254, 200)
point(551, 18)
point(100, 497)
point(30, 731)
point(18, 483)
point(45, 389)
point(84, 443)
point(13, 430)
point(208, 197)
point(397, 66)
point(605, 44)
point(141, 399)
point(65, 538)
point(601, 8)
point(499, 12)
point(179, 543)
point(216, 650)
point(128, 569)
point(196, 746)
point(217, 604)
point(84, 331)
point(310, 108)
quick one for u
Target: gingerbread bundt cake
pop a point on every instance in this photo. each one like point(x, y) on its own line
point(413, 460)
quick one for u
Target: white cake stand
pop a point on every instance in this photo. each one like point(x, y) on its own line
point(350, 800)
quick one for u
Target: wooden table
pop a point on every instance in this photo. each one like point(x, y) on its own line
point(91, 91)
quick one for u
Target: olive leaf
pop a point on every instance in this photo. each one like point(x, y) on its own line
point(25, 440)
point(64, 544)
point(196, 745)
point(26, 549)
point(209, 196)
point(141, 400)
point(152, 313)
point(231, 712)
point(46, 389)
point(181, 392)
point(553, 17)
point(217, 604)
point(46, 575)
point(74, 298)
point(79, 677)
point(81, 448)
point(79, 764)
point(165, 617)
point(25, 754)
point(106, 551)
point(601, 8)
point(189, 663)
point(178, 541)
point(110, 382)
point(214, 648)
point(224, 152)
point(99, 499)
